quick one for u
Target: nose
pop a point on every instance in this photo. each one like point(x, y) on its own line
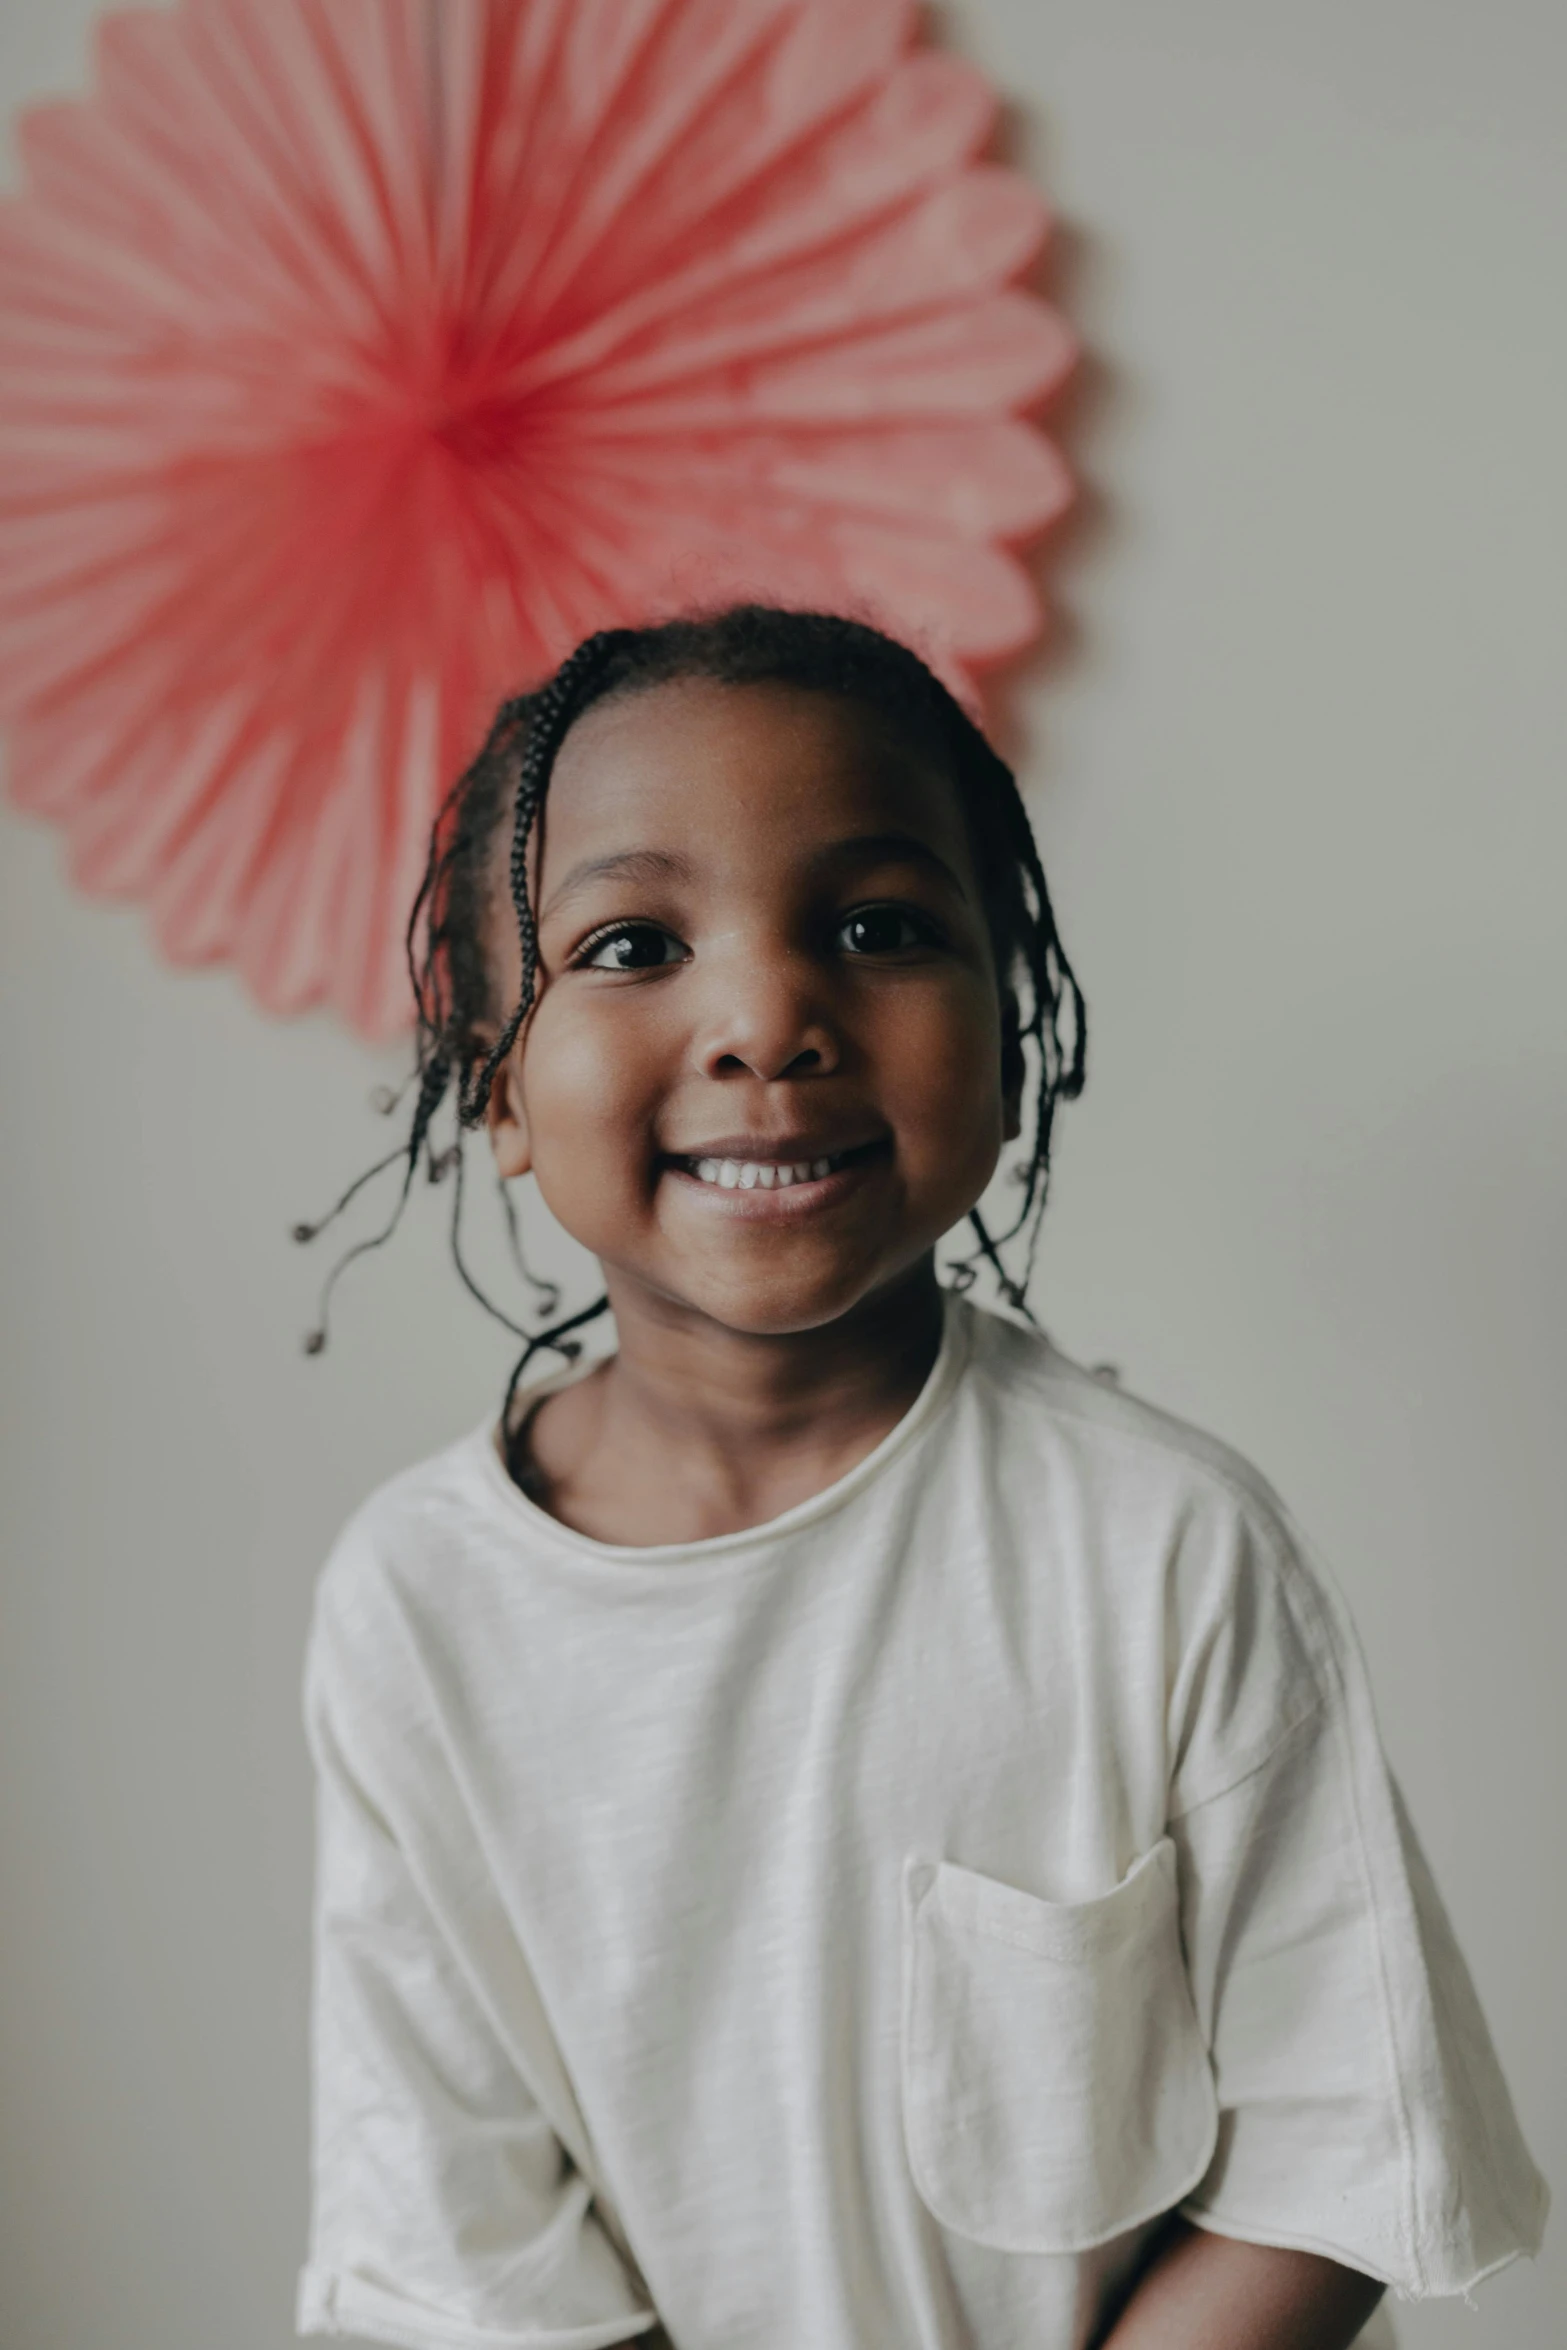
point(763, 1016)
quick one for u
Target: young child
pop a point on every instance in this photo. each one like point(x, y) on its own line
point(838, 1830)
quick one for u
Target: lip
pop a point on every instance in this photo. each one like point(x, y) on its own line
point(787, 1206)
point(780, 1149)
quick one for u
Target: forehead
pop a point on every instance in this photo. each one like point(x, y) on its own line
point(710, 767)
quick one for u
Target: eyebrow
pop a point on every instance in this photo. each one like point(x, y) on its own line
point(648, 865)
point(622, 865)
point(891, 848)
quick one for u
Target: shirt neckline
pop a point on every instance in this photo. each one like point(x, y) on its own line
point(957, 1337)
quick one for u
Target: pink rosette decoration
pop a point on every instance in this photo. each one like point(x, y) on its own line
point(359, 356)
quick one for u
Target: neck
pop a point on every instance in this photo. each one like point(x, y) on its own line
point(693, 1430)
point(726, 1389)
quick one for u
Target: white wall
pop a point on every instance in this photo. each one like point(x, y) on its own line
point(1297, 763)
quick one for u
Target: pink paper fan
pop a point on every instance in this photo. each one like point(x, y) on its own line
point(359, 356)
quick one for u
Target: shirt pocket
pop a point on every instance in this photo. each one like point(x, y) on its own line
point(1056, 2087)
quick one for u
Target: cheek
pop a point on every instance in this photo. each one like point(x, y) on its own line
point(586, 1080)
point(942, 1070)
point(947, 1051)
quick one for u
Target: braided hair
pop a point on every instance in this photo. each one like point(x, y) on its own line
point(463, 1034)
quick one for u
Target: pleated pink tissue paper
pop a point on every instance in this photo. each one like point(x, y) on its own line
point(359, 356)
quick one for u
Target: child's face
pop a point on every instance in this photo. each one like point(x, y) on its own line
point(761, 943)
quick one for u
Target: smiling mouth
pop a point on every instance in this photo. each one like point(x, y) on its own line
point(773, 1174)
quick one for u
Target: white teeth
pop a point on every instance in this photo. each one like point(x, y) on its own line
point(758, 1174)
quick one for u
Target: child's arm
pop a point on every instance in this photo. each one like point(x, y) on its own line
point(443, 2202)
point(1208, 2292)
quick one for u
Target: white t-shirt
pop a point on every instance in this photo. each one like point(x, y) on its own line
point(856, 1930)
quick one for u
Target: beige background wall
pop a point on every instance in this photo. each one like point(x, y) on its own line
point(1298, 767)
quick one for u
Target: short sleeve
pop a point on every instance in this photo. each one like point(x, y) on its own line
point(446, 2214)
point(1363, 2114)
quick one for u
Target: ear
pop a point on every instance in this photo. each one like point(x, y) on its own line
point(1013, 1068)
point(508, 1122)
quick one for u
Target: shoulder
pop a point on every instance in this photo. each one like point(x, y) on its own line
point(1030, 1385)
point(402, 1552)
point(1169, 1527)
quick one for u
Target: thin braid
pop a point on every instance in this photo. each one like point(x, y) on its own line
point(553, 711)
point(557, 1340)
point(547, 1292)
point(433, 1084)
point(1052, 983)
point(437, 1013)
point(305, 1233)
point(421, 978)
point(458, 1163)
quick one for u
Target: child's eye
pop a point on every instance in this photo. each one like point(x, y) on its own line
point(885, 930)
point(630, 946)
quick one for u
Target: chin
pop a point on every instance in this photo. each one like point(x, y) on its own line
point(782, 1320)
point(777, 1309)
